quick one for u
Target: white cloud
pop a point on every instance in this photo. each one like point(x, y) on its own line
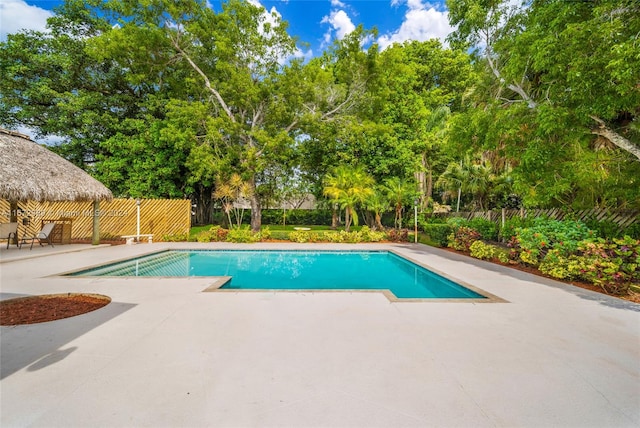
point(421, 23)
point(16, 15)
point(341, 23)
point(306, 55)
point(337, 3)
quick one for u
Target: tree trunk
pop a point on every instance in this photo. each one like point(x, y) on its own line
point(379, 222)
point(256, 208)
point(422, 182)
point(334, 218)
point(204, 205)
point(604, 131)
point(429, 186)
point(347, 219)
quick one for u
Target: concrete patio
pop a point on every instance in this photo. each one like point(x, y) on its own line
point(164, 353)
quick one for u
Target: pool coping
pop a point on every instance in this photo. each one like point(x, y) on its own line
point(220, 281)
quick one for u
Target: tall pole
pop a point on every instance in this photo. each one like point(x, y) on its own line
point(138, 220)
point(415, 221)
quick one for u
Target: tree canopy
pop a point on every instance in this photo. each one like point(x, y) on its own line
point(537, 103)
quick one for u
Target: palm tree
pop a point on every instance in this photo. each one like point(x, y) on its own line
point(475, 177)
point(230, 191)
point(378, 204)
point(348, 186)
point(399, 193)
point(434, 133)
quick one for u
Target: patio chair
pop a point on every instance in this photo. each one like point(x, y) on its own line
point(43, 235)
point(9, 231)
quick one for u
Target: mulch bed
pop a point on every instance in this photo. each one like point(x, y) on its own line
point(48, 307)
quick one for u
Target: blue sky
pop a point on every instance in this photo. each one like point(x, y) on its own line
point(316, 22)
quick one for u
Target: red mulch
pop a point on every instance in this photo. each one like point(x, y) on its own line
point(632, 296)
point(50, 307)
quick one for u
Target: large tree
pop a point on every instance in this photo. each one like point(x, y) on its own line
point(561, 72)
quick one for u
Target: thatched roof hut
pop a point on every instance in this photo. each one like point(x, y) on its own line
point(30, 172)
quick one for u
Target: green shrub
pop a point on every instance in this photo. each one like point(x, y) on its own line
point(297, 216)
point(279, 234)
point(488, 230)
point(396, 235)
point(483, 251)
point(265, 233)
point(335, 237)
point(633, 231)
point(175, 237)
point(242, 235)
point(368, 235)
point(457, 222)
point(535, 241)
point(556, 265)
point(462, 238)
point(302, 236)
point(605, 228)
point(438, 233)
point(510, 226)
point(611, 264)
point(214, 233)
point(425, 219)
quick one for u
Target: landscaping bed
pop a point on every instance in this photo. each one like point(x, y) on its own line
point(49, 307)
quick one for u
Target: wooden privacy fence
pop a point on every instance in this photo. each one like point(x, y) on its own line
point(623, 219)
point(117, 218)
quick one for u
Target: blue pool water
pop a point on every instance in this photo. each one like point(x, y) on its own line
point(295, 270)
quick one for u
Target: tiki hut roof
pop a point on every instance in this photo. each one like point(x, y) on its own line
point(30, 172)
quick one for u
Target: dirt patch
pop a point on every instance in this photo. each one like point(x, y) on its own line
point(49, 307)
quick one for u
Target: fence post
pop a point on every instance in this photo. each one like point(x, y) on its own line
point(504, 215)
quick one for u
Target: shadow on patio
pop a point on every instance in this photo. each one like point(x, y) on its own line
point(39, 345)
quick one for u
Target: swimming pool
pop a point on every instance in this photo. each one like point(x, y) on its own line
point(295, 270)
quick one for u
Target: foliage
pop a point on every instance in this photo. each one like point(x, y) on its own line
point(610, 264)
point(243, 235)
point(231, 192)
point(398, 235)
point(510, 225)
point(348, 186)
point(378, 204)
point(462, 238)
point(457, 222)
point(265, 233)
point(478, 178)
point(368, 235)
point(437, 233)
point(553, 76)
point(399, 193)
point(363, 235)
point(545, 234)
point(175, 237)
point(488, 230)
point(302, 236)
point(213, 234)
point(297, 216)
point(483, 251)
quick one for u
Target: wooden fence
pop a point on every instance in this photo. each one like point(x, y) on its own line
point(623, 219)
point(117, 218)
